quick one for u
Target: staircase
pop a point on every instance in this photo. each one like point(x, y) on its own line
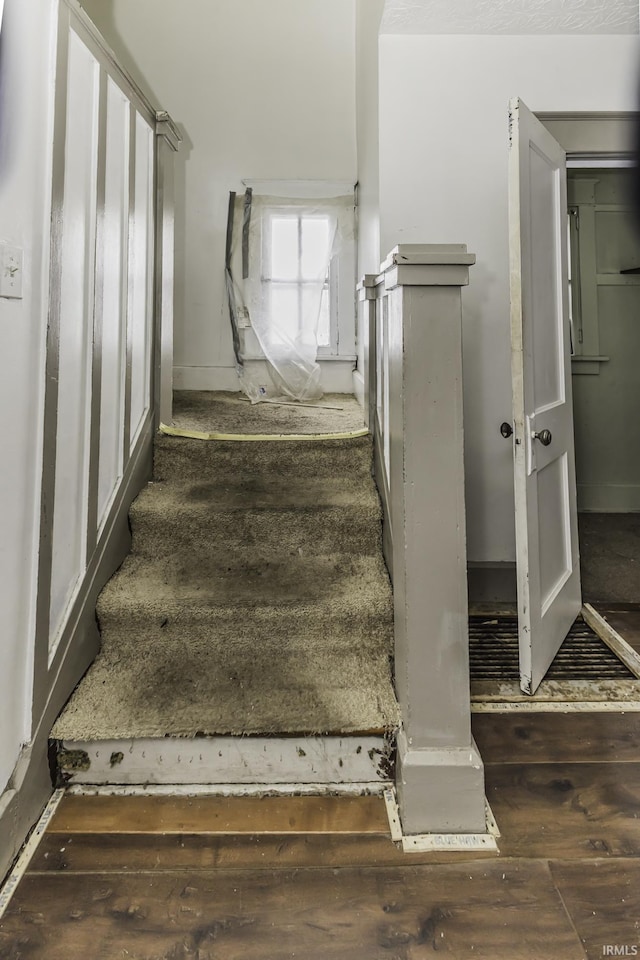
point(247, 638)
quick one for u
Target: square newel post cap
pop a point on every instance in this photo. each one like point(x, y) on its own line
point(427, 264)
point(367, 287)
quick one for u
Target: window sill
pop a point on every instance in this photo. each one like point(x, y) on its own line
point(331, 358)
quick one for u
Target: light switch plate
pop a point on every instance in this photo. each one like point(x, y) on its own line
point(10, 271)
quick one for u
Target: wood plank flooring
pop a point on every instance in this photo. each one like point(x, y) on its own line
point(266, 879)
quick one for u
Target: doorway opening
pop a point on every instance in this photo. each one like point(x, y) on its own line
point(604, 246)
point(605, 325)
point(543, 356)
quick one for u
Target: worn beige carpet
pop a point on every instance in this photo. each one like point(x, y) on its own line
point(255, 599)
point(232, 413)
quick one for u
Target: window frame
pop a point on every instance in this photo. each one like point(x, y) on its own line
point(299, 196)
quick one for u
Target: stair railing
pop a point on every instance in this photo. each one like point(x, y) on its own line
point(413, 367)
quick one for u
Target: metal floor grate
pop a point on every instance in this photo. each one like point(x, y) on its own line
point(493, 651)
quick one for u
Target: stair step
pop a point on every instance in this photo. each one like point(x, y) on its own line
point(320, 586)
point(250, 695)
point(167, 517)
point(260, 493)
point(202, 460)
point(247, 636)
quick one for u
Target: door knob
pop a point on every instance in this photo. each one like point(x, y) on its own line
point(506, 430)
point(544, 436)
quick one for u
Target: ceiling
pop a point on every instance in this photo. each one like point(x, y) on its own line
point(511, 16)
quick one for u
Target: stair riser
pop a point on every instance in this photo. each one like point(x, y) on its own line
point(200, 460)
point(295, 761)
point(168, 629)
point(257, 535)
point(212, 595)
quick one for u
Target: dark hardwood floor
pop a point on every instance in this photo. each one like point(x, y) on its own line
point(218, 879)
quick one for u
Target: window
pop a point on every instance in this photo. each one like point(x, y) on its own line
point(293, 284)
point(295, 252)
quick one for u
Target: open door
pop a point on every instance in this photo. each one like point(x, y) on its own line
point(549, 597)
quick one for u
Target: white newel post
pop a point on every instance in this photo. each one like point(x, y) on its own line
point(440, 776)
point(367, 331)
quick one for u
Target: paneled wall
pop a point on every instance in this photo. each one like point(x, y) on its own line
point(265, 91)
point(100, 334)
point(86, 170)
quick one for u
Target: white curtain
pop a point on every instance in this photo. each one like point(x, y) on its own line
point(284, 247)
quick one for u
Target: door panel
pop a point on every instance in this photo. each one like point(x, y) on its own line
point(549, 596)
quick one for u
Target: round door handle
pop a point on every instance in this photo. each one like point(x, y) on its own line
point(544, 436)
point(506, 430)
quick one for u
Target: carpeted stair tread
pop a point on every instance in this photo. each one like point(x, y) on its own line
point(255, 599)
point(230, 698)
point(321, 585)
point(259, 536)
point(231, 413)
point(170, 516)
point(259, 493)
point(146, 705)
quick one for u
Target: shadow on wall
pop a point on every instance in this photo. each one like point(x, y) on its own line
point(6, 140)
point(103, 16)
point(636, 179)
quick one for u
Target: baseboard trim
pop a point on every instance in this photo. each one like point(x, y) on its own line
point(380, 477)
point(492, 582)
point(9, 887)
point(337, 376)
point(452, 842)
point(23, 800)
point(609, 497)
point(30, 786)
point(362, 788)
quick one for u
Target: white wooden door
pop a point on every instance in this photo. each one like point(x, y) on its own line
point(549, 597)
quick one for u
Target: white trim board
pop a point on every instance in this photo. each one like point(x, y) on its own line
point(21, 865)
point(608, 497)
point(228, 761)
point(549, 706)
point(374, 788)
point(417, 843)
point(337, 376)
point(556, 695)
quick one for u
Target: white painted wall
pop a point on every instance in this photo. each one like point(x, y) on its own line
point(263, 91)
point(368, 15)
point(443, 178)
point(26, 69)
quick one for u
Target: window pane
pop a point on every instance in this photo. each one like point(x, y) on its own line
point(324, 327)
point(315, 247)
point(284, 318)
point(284, 248)
point(315, 314)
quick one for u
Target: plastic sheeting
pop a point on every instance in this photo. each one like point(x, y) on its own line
point(281, 253)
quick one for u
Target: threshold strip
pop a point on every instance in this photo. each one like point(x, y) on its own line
point(455, 842)
point(255, 437)
point(555, 706)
